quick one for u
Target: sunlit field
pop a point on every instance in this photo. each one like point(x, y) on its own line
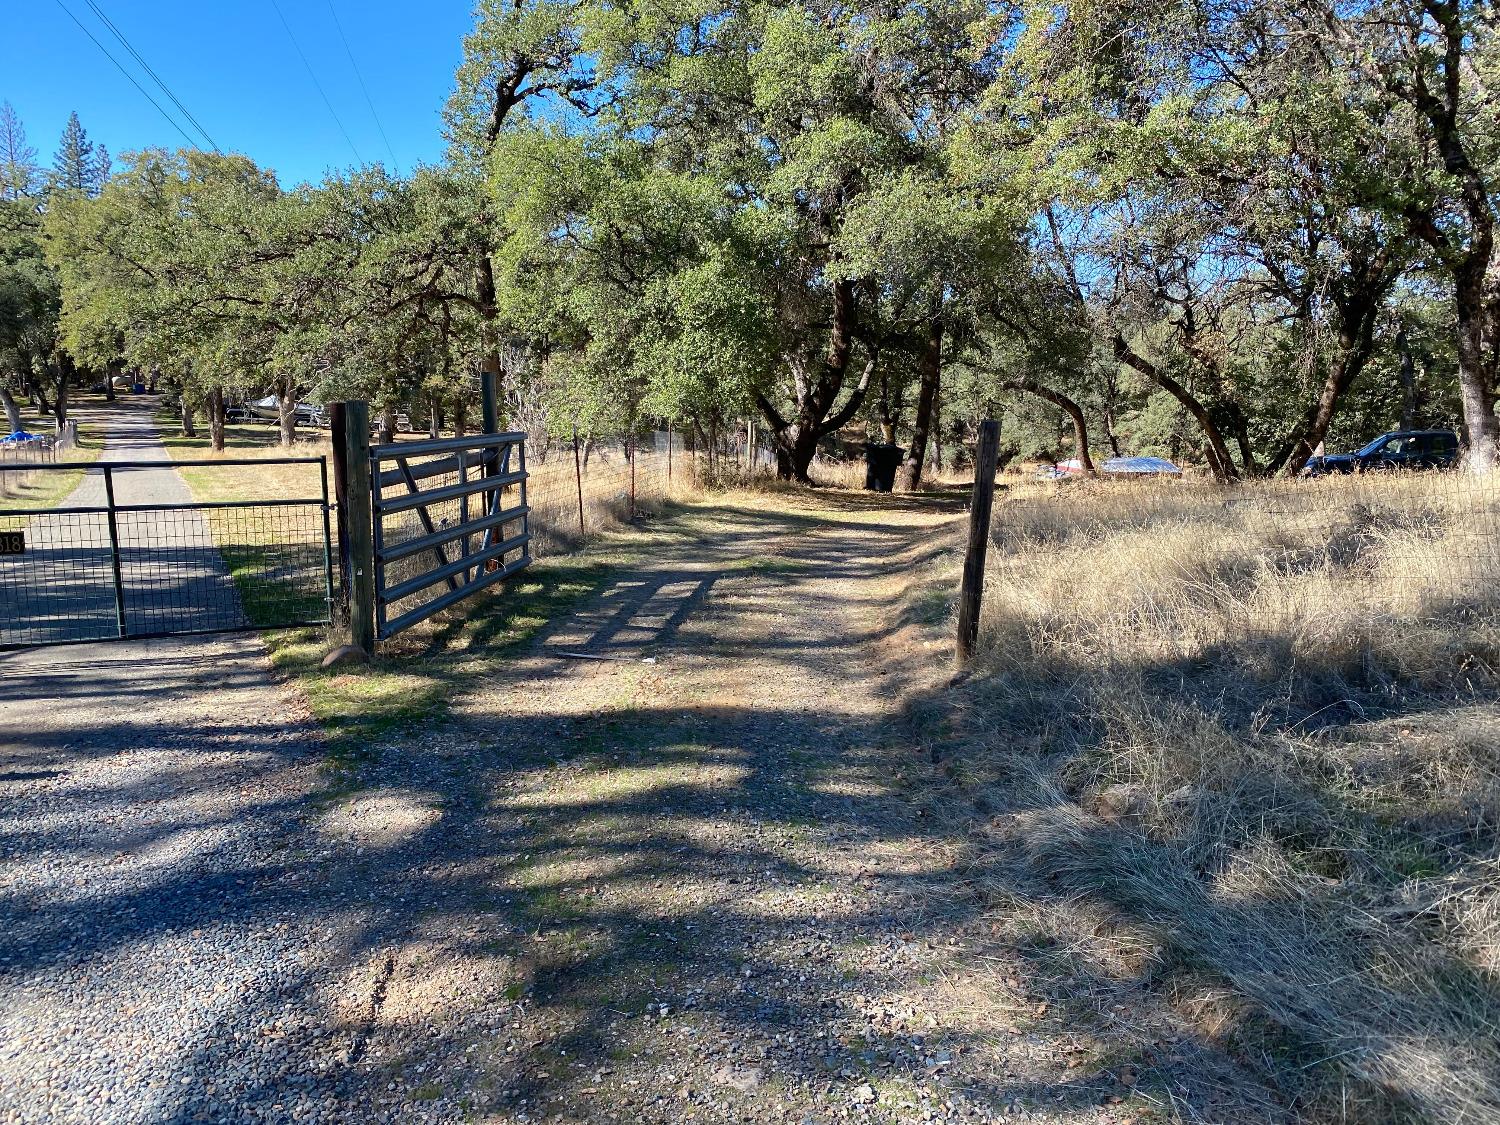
point(1246, 736)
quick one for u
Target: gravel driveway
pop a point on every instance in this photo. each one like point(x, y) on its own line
point(150, 875)
point(690, 880)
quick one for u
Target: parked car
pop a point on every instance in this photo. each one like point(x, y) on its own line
point(402, 425)
point(1399, 449)
point(236, 414)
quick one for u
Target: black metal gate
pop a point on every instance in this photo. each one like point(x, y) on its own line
point(129, 553)
point(449, 514)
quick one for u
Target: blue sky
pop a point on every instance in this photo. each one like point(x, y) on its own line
point(232, 64)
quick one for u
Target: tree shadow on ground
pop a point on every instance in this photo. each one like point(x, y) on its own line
point(672, 889)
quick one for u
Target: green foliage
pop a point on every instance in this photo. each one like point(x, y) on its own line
point(1198, 221)
point(79, 165)
point(29, 291)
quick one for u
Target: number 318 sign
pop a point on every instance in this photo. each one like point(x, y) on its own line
point(12, 542)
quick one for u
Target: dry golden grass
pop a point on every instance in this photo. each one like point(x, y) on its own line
point(1261, 723)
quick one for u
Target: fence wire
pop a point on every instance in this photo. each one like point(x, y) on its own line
point(1413, 545)
point(18, 459)
point(605, 484)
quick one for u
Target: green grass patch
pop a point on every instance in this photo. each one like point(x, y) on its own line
point(279, 584)
point(421, 672)
point(766, 564)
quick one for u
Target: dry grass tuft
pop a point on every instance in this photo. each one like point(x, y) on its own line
point(1261, 723)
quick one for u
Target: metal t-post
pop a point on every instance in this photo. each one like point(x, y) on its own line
point(114, 549)
point(578, 478)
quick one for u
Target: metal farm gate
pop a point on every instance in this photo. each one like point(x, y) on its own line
point(448, 518)
point(129, 553)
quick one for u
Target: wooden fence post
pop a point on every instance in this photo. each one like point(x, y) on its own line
point(357, 507)
point(971, 592)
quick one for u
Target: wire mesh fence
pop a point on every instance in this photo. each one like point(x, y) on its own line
point(1175, 567)
point(20, 457)
point(97, 567)
point(576, 490)
point(1407, 538)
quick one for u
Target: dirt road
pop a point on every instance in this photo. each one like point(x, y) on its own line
point(686, 881)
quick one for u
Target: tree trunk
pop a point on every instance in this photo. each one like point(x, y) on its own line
point(65, 370)
point(1473, 380)
point(216, 419)
point(12, 411)
point(1356, 344)
point(1442, 105)
point(937, 431)
point(189, 428)
point(1217, 452)
point(1109, 432)
point(1241, 426)
point(434, 423)
point(460, 418)
point(489, 360)
point(38, 395)
point(796, 438)
point(287, 412)
point(109, 382)
point(387, 426)
point(1071, 409)
point(1408, 381)
point(930, 371)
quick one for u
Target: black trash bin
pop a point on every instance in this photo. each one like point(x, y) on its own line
point(881, 462)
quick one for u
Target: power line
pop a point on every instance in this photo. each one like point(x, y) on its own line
point(120, 35)
point(170, 119)
point(363, 88)
point(311, 74)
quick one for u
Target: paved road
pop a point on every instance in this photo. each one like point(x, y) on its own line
point(172, 574)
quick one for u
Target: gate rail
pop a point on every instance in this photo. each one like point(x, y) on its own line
point(413, 525)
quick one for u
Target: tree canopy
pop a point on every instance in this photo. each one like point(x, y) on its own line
point(1223, 232)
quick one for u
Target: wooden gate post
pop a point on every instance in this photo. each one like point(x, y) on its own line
point(339, 443)
point(356, 504)
point(986, 458)
point(489, 401)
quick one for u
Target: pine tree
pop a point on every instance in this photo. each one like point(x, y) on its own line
point(73, 166)
point(18, 167)
point(103, 166)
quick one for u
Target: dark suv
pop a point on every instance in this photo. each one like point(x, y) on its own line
point(1401, 449)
